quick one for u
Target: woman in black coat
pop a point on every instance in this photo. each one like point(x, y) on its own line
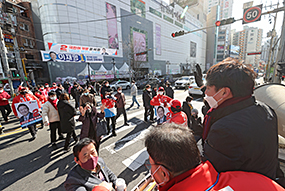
point(66, 113)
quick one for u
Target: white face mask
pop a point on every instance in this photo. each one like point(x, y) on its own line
point(120, 91)
point(107, 85)
point(53, 98)
point(152, 175)
point(1, 91)
point(211, 100)
point(160, 93)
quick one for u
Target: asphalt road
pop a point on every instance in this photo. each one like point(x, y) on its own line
point(34, 165)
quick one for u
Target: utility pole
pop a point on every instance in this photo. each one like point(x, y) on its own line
point(281, 51)
point(5, 63)
point(17, 54)
point(268, 66)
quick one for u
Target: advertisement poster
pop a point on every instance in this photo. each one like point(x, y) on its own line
point(28, 112)
point(157, 39)
point(113, 41)
point(193, 49)
point(71, 57)
point(162, 114)
point(139, 38)
point(65, 48)
point(138, 7)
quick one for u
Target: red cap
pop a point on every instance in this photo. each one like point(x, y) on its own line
point(175, 103)
point(46, 84)
point(22, 88)
point(53, 83)
point(160, 89)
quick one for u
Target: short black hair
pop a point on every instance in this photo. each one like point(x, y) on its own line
point(160, 107)
point(82, 143)
point(120, 87)
point(189, 98)
point(22, 105)
point(52, 52)
point(51, 93)
point(173, 146)
point(147, 86)
point(235, 75)
point(133, 81)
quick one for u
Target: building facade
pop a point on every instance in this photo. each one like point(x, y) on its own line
point(149, 22)
point(249, 40)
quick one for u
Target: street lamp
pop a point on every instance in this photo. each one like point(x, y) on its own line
point(114, 63)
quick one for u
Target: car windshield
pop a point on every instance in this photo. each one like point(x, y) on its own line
point(184, 78)
point(114, 82)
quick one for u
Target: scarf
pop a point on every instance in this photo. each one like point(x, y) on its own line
point(227, 107)
point(53, 102)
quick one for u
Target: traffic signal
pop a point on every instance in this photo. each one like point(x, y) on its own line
point(176, 34)
point(225, 22)
point(281, 68)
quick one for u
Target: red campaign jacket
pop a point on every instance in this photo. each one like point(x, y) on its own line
point(179, 118)
point(21, 98)
point(4, 95)
point(52, 88)
point(205, 176)
point(47, 89)
point(41, 98)
point(44, 92)
point(158, 99)
point(109, 103)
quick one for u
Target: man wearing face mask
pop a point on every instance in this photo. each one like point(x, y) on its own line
point(60, 90)
point(239, 132)
point(23, 97)
point(147, 96)
point(175, 165)
point(187, 108)
point(47, 88)
point(43, 91)
point(51, 118)
point(90, 170)
point(120, 104)
point(87, 97)
point(134, 92)
point(54, 87)
point(106, 89)
point(89, 117)
point(4, 103)
point(160, 99)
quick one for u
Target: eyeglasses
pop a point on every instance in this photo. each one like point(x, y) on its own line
point(147, 164)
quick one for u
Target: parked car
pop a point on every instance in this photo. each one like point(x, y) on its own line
point(184, 81)
point(194, 89)
point(124, 84)
point(152, 81)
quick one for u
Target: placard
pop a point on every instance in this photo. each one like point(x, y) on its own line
point(28, 112)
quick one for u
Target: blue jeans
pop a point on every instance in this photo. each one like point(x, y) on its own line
point(135, 100)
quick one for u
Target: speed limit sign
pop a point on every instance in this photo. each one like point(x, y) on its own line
point(252, 14)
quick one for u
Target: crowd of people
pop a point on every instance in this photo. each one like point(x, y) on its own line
point(239, 135)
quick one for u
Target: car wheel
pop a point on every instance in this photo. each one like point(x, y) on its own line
point(128, 87)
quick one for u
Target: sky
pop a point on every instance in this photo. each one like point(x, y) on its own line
point(264, 23)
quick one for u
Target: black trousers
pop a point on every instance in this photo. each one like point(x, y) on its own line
point(5, 110)
point(148, 111)
point(33, 129)
point(68, 137)
point(53, 127)
point(122, 111)
point(113, 119)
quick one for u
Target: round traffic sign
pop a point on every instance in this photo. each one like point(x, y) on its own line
point(252, 14)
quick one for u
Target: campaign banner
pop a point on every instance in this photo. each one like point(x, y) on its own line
point(99, 77)
point(162, 114)
point(71, 57)
point(28, 112)
point(65, 48)
point(157, 39)
point(111, 15)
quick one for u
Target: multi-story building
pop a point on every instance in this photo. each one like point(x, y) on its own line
point(85, 23)
point(249, 40)
point(24, 32)
point(223, 11)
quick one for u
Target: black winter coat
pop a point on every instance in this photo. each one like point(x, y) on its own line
point(66, 113)
point(169, 92)
point(146, 98)
point(187, 109)
point(245, 140)
point(104, 90)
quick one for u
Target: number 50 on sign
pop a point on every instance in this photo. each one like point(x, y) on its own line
point(252, 14)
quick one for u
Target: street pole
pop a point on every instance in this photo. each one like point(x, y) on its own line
point(268, 66)
point(5, 63)
point(281, 51)
point(88, 71)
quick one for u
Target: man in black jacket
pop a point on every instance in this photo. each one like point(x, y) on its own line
point(90, 169)
point(105, 89)
point(169, 91)
point(147, 96)
point(187, 107)
point(240, 133)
